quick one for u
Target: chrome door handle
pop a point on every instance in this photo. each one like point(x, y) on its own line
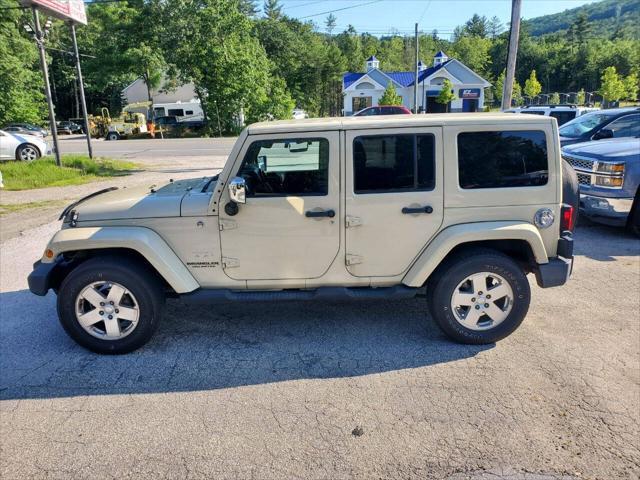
point(319, 213)
point(410, 210)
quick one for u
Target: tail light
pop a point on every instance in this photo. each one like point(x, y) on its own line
point(568, 218)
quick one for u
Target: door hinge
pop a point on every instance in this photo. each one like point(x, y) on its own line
point(226, 224)
point(353, 259)
point(353, 221)
point(230, 262)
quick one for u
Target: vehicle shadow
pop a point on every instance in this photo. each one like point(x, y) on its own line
point(209, 347)
point(603, 243)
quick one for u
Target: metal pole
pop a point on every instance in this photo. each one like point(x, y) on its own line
point(47, 86)
point(415, 83)
point(514, 37)
point(81, 83)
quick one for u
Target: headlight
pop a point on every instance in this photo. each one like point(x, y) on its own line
point(603, 181)
point(611, 168)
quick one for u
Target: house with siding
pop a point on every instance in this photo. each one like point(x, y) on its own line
point(364, 89)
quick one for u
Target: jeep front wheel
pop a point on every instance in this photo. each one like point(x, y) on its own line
point(108, 305)
point(480, 298)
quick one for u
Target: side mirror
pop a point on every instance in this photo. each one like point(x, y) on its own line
point(238, 190)
point(602, 134)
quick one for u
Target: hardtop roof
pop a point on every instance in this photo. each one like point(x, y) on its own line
point(394, 121)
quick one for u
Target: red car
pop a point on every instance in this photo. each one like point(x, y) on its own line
point(383, 110)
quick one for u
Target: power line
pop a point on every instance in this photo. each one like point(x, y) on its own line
point(340, 9)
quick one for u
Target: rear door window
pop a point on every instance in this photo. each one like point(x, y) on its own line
point(393, 163)
point(563, 117)
point(178, 112)
point(502, 159)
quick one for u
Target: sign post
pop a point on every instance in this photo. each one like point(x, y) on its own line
point(83, 102)
point(74, 12)
point(47, 87)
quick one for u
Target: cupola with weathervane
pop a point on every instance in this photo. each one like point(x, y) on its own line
point(440, 58)
point(372, 62)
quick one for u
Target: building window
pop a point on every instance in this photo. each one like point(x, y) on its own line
point(358, 103)
point(393, 163)
point(502, 159)
point(298, 167)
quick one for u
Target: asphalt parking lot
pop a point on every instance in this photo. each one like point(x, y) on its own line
point(330, 391)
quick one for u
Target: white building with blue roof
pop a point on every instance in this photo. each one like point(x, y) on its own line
point(361, 90)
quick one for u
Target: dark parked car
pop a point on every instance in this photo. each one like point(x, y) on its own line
point(32, 129)
point(383, 110)
point(602, 124)
point(68, 127)
point(609, 176)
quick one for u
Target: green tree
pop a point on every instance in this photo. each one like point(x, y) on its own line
point(214, 47)
point(390, 96)
point(21, 88)
point(498, 88)
point(612, 87)
point(554, 99)
point(248, 7)
point(631, 87)
point(476, 26)
point(580, 97)
point(494, 27)
point(446, 95)
point(532, 86)
point(272, 9)
point(330, 23)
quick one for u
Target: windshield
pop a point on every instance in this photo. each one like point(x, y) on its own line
point(583, 124)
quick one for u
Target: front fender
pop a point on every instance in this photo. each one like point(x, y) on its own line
point(456, 235)
point(143, 240)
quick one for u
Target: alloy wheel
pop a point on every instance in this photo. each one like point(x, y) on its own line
point(107, 310)
point(482, 301)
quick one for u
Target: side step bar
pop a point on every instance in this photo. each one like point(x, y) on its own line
point(324, 293)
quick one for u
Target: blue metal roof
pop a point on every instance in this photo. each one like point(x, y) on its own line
point(440, 54)
point(404, 79)
point(372, 58)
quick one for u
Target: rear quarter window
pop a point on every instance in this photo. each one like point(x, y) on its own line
point(502, 159)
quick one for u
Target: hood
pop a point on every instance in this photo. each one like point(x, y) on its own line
point(614, 149)
point(137, 202)
point(23, 137)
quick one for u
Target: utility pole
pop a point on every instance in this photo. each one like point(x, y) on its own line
point(47, 86)
point(81, 85)
point(514, 38)
point(415, 83)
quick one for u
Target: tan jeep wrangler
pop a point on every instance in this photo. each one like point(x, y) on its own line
point(460, 207)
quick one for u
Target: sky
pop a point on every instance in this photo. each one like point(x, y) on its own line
point(380, 17)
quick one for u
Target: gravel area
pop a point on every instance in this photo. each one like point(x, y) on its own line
point(330, 390)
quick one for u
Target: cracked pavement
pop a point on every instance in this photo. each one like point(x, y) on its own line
point(330, 390)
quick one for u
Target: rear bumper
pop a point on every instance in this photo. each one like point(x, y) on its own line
point(558, 270)
point(41, 278)
point(612, 211)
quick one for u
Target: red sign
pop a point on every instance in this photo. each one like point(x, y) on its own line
point(63, 9)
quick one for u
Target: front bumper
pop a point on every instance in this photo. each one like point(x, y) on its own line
point(612, 211)
point(42, 277)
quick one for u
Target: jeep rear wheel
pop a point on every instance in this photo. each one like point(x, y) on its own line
point(113, 136)
point(480, 297)
point(109, 305)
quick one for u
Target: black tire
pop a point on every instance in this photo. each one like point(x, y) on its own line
point(113, 136)
point(137, 279)
point(445, 280)
point(633, 223)
point(22, 150)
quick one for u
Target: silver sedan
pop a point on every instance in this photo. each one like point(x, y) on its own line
point(22, 147)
